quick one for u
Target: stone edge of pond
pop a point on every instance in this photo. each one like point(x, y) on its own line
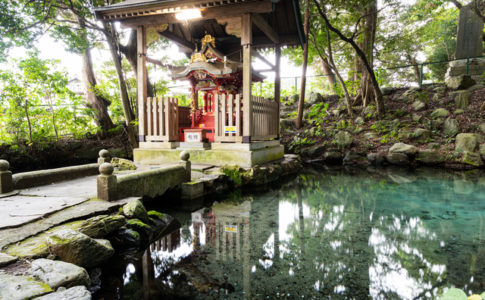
point(132, 226)
point(403, 155)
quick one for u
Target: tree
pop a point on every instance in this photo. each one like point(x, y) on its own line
point(360, 53)
point(37, 102)
point(304, 67)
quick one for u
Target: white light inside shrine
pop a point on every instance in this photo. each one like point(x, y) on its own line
point(188, 14)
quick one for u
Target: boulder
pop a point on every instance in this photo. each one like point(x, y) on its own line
point(316, 151)
point(369, 111)
point(403, 148)
point(419, 105)
point(462, 99)
point(370, 135)
point(21, 287)
point(466, 142)
point(359, 120)
point(315, 98)
point(472, 158)
point(122, 164)
point(410, 95)
point(287, 123)
point(332, 157)
point(421, 134)
point(416, 117)
point(343, 139)
point(74, 293)
point(101, 226)
point(293, 99)
point(451, 127)
point(376, 159)
point(58, 273)
point(399, 159)
point(352, 158)
point(482, 127)
point(430, 157)
point(482, 150)
point(77, 248)
point(6, 259)
point(126, 238)
point(459, 82)
point(440, 113)
point(135, 210)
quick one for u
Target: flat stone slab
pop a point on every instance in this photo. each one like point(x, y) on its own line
point(21, 287)
point(74, 293)
point(18, 210)
point(83, 187)
point(201, 167)
point(86, 209)
point(6, 259)
point(58, 273)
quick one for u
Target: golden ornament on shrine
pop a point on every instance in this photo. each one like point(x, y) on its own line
point(208, 39)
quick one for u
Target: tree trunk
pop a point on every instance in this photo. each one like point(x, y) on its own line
point(299, 119)
point(26, 110)
point(95, 102)
point(368, 49)
point(329, 73)
point(125, 101)
point(53, 116)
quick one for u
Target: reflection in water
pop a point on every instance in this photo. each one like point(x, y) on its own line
point(336, 235)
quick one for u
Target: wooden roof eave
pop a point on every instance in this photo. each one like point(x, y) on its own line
point(147, 8)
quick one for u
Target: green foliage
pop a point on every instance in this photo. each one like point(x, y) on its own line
point(235, 174)
point(318, 112)
point(37, 103)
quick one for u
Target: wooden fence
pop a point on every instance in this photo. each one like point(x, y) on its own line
point(161, 115)
point(229, 119)
point(265, 119)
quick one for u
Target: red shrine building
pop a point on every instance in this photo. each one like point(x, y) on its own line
point(225, 123)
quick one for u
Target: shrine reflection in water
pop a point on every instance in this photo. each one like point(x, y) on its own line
point(334, 235)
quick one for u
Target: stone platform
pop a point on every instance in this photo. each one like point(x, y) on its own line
point(243, 155)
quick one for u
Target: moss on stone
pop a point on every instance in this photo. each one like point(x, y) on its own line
point(137, 224)
point(156, 214)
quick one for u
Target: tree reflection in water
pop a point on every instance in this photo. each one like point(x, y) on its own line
point(335, 235)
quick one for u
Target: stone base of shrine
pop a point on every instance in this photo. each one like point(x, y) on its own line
point(243, 155)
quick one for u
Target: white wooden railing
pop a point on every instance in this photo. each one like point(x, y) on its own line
point(161, 119)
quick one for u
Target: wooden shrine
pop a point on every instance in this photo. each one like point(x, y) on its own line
point(231, 126)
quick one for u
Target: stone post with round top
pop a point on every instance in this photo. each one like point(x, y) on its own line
point(104, 156)
point(6, 183)
point(106, 182)
point(184, 157)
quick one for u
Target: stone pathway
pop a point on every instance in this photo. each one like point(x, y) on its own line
point(35, 203)
point(34, 210)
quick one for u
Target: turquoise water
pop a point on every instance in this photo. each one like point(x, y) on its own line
point(326, 234)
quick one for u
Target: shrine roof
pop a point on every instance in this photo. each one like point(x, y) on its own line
point(220, 19)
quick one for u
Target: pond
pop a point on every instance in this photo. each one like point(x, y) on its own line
point(325, 234)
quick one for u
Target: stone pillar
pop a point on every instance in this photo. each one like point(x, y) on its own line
point(469, 38)
point(6, 183)
point(107, 182)
point(184, 157)
point(104, 157)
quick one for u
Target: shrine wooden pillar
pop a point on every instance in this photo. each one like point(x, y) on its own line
point(246, 43)
point(277, 82)
point(141, 80)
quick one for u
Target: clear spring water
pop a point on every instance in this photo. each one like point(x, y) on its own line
point(326, 234)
